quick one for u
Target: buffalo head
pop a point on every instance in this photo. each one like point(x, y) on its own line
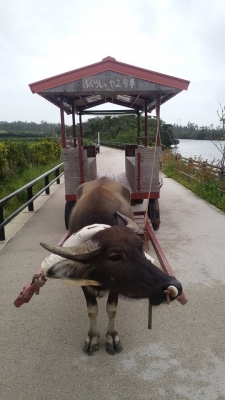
point(114, 259)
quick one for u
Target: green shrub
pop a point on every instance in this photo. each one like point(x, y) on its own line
point(17, 157)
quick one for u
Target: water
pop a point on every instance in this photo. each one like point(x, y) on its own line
point(199, 148)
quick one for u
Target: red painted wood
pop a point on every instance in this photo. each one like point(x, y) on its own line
point(71, 197)
point(138, 128)
point(139, 171)
point(74, 126)
point(81, 130)
point(81, 160)
point(158, 139)
point(63, 132)
point(146, 124)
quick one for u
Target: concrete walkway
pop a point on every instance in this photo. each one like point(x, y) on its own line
point(182, 357)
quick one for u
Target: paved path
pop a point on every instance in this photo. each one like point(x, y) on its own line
point(182, 357)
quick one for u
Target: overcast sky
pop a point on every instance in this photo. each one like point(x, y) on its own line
point(182, 38)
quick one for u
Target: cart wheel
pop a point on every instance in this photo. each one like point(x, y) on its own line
point(68, 208)
point(153, 213)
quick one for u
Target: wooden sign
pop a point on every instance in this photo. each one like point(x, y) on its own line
point(109, 83)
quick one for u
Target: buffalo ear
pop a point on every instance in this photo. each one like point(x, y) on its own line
point(120, 220)
point(81, 274)
point(128, 222)
point(81, 252)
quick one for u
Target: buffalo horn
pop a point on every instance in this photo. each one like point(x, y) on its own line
point(171, 291)
point(81, 252)
point(130, 223)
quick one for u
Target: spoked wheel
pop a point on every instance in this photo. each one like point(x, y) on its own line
point(153, 213)
point(68, 208)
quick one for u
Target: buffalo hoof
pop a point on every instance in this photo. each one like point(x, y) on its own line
point(113, 345)
point(91, 346)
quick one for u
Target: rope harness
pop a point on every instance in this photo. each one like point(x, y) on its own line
point(39, 280)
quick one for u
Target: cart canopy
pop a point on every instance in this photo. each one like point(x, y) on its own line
point(109, 81)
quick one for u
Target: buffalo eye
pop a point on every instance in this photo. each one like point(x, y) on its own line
point(115, 257)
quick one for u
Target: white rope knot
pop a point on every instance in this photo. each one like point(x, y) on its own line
point(39, 280)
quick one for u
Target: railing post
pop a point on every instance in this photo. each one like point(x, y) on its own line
point(2, 230)
point(57, 172)
point(47, 190)
point(29, 196)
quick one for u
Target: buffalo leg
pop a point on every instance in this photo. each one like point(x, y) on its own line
point(113, 344)
point(92, 340)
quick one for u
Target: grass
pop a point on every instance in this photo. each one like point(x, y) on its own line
point(207, 190)
point(17, 182)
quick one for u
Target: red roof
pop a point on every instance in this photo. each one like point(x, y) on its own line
point(55, 86)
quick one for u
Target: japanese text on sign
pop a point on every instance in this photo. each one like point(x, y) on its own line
point(109, 83)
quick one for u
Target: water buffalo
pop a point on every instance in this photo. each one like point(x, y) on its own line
point(113, 258)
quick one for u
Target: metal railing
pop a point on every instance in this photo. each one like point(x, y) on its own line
point(30, 197)
point(197, 170)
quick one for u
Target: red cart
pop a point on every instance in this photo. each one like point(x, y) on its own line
point(140, 91)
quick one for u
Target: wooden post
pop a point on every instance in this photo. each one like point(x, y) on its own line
point(158, 102)
point(80, 148)
point(74, 126)
point(63, 132)
point(81, 137)
point(138, 127)
point(146, 124)
point(139, 171)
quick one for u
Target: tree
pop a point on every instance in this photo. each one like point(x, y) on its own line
point(167, 134)
point(218, 144)
point(221, 115)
